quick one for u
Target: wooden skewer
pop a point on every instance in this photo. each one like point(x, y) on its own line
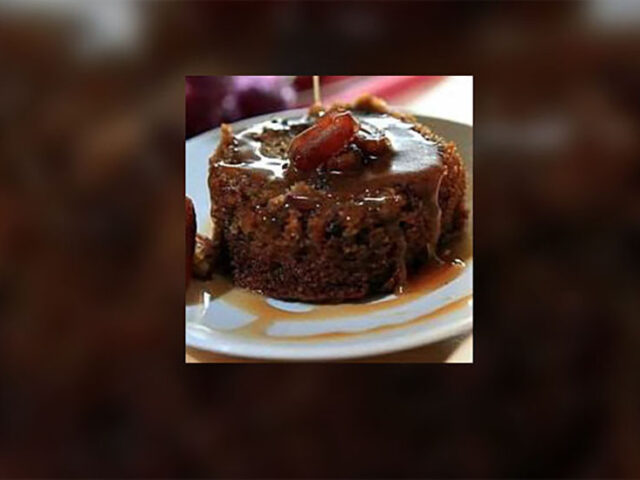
point(316, 90)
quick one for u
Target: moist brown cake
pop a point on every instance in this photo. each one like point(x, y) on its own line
point(334, 214)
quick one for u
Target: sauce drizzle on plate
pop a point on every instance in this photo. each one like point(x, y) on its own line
point(429, 278)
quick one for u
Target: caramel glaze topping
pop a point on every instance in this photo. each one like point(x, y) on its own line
point(380, 153)
point(388, 150)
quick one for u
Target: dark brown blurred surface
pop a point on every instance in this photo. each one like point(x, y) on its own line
point(91, 294)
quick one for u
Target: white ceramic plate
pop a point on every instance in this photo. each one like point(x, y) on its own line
point(228, 320)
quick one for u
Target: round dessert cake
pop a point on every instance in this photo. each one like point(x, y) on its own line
point(334, 205)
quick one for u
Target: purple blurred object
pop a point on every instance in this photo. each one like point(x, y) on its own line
point(252, 95)
point(204, 96)
point(212, 100)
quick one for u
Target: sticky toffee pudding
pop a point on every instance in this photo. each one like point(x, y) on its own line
point(335, 205)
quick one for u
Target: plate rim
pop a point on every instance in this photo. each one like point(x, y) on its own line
point(338, 351)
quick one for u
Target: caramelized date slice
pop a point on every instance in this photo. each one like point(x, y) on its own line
point(331, 134)
point(349, 160)
point(372, 143)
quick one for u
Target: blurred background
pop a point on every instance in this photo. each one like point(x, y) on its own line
point(92, 374)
